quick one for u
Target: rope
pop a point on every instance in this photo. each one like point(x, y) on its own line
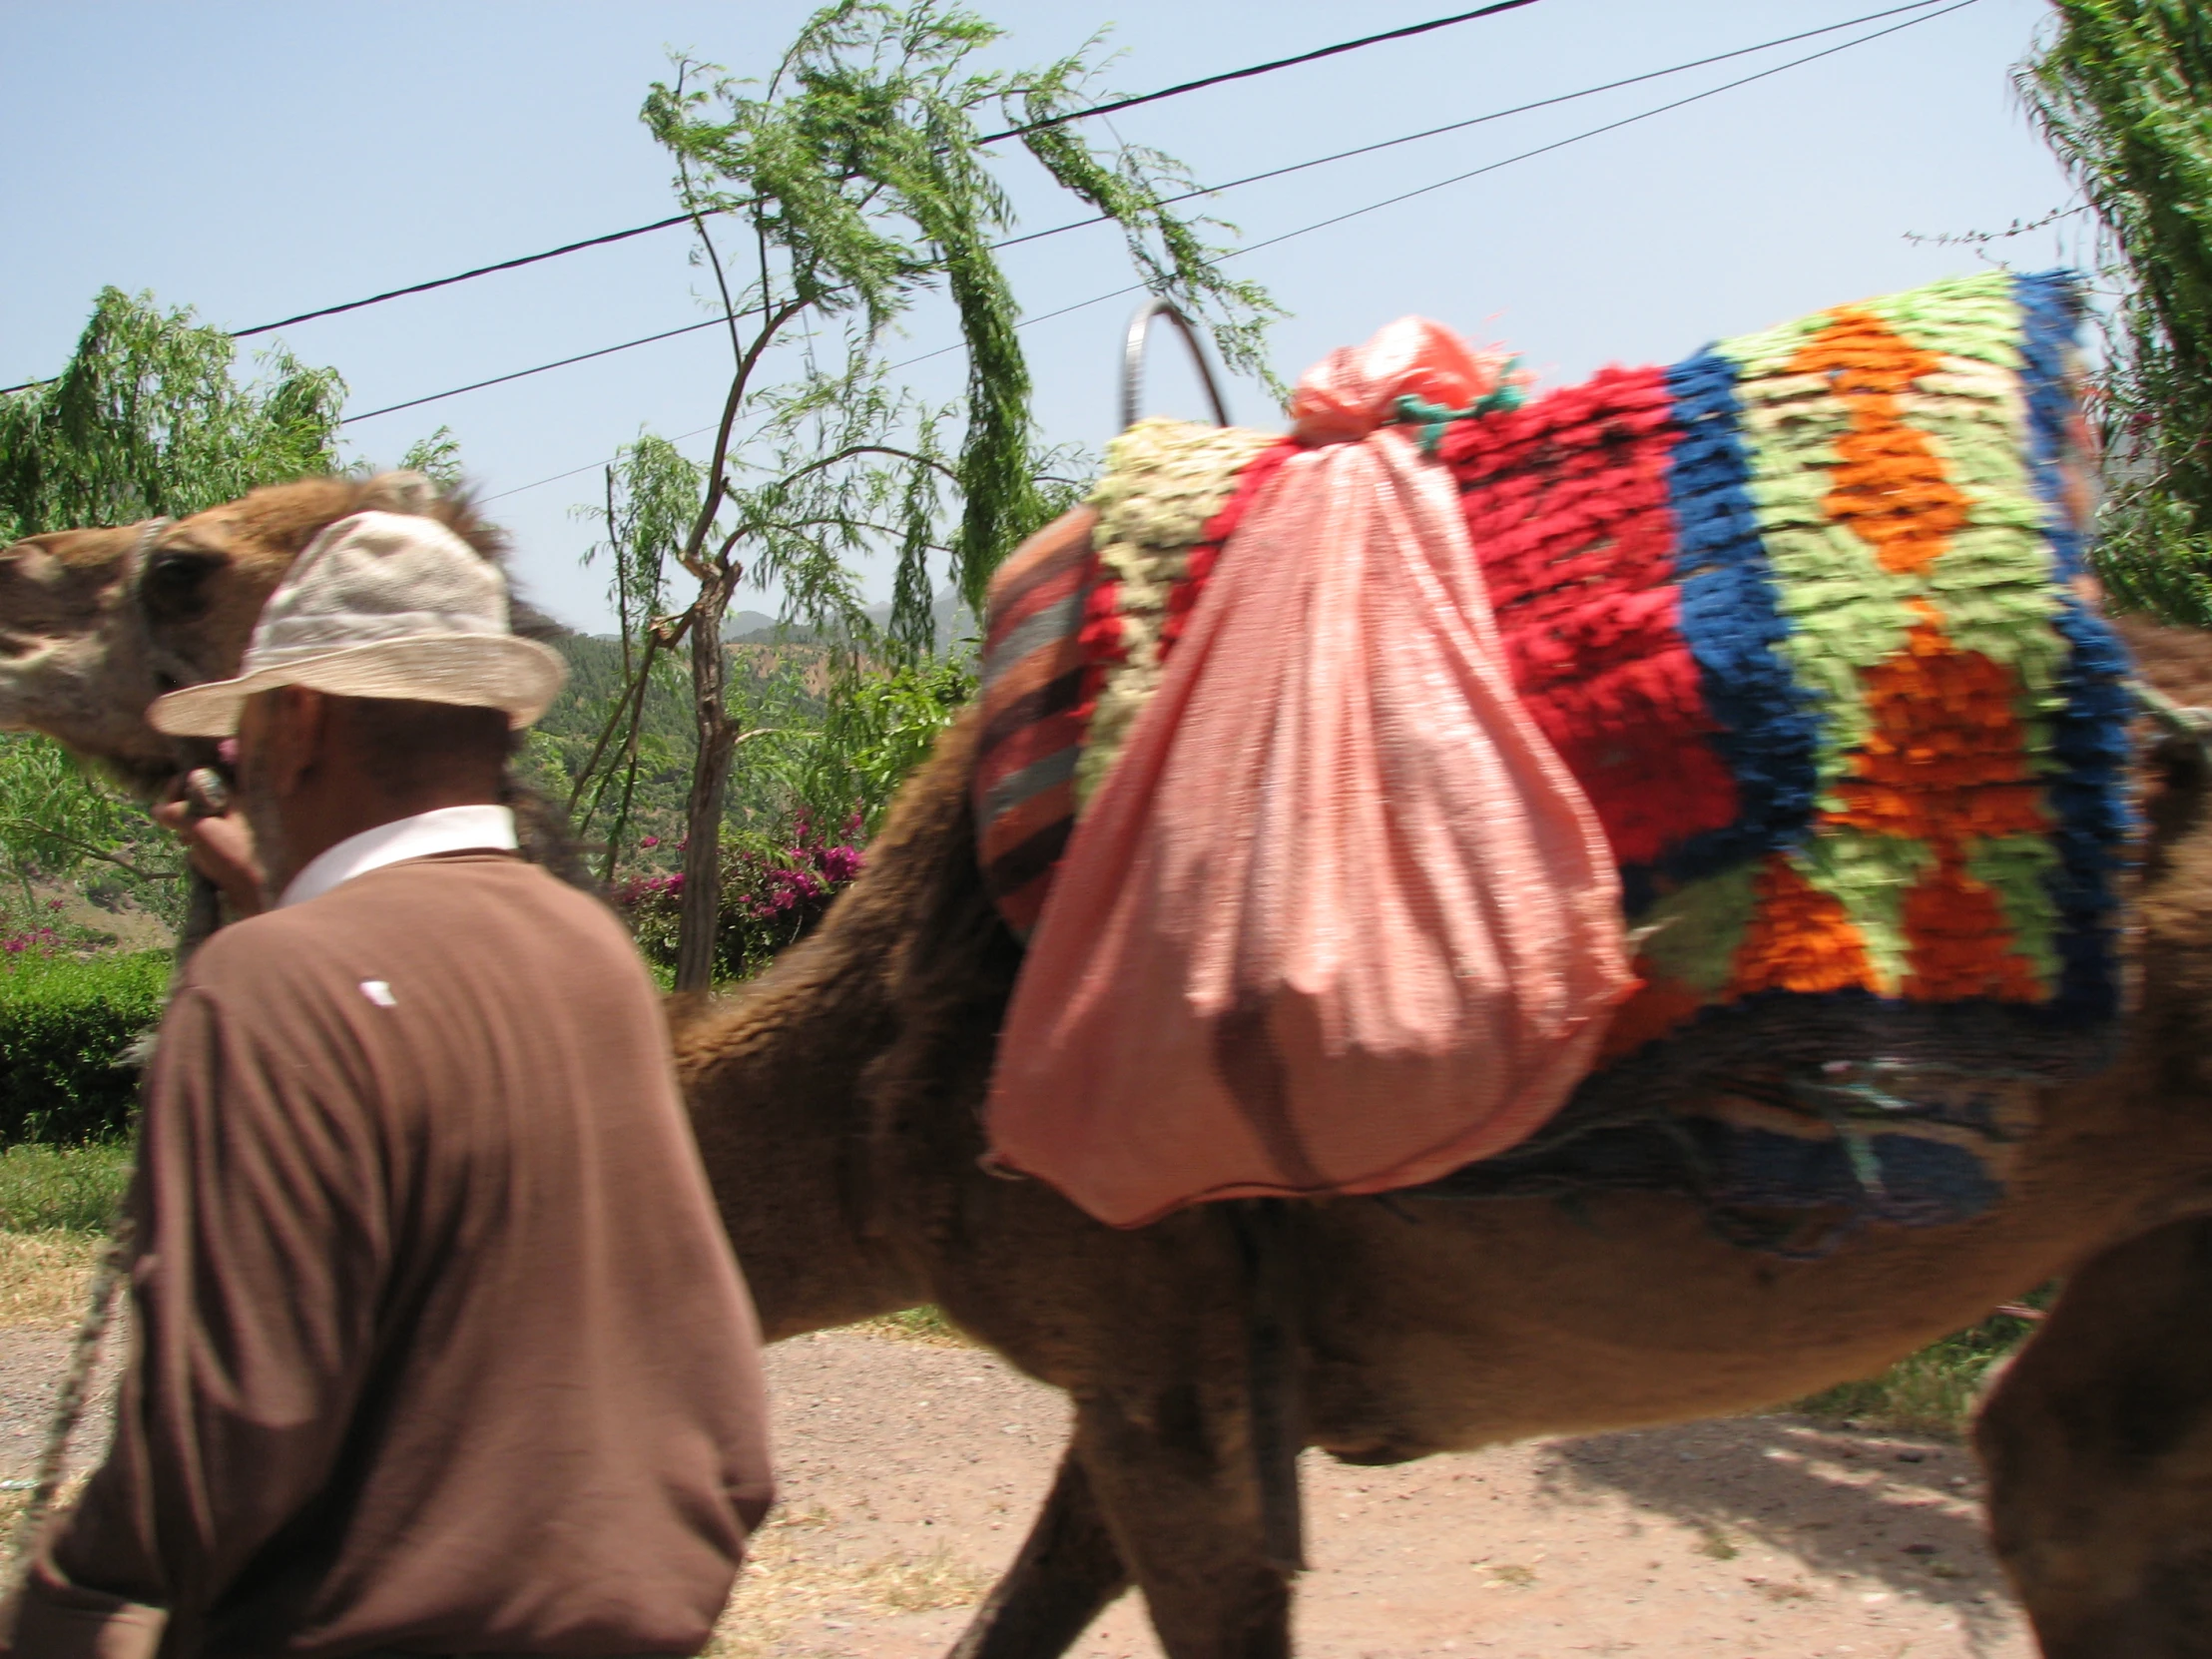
point(2179, 719)
point(69, 1402)
point(1433, 418)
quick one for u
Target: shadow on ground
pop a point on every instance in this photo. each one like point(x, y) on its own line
point(1899, 1511)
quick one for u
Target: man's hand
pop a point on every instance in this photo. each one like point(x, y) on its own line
point(219, 848)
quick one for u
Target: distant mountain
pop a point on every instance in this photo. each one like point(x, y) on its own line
point(737, 625)
point(955, 622)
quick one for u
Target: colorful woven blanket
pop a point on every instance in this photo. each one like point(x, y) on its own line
point(1806, 618)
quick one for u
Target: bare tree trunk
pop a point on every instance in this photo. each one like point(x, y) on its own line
point(702, 899)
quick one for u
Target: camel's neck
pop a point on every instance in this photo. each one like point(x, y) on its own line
point(792, 1122)
point(774, 1080)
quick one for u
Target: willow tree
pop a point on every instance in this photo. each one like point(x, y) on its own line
point(2123, 92)
point(828, 202)
point(150, 417)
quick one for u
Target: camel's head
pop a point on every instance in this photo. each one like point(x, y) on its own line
point(95, 624)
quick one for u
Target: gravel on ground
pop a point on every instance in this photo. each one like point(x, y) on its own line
point(909, 1472)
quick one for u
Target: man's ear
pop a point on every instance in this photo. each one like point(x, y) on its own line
point(298, 734)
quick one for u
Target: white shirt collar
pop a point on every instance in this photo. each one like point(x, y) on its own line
point(443, 829)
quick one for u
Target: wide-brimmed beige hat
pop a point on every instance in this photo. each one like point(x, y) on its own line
point(381, 604)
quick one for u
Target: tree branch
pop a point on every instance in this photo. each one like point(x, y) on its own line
point(716, 486)
point(86, 849)
point(852, 449)
point(634, 691)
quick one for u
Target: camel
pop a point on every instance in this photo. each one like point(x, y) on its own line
point(835, 1103)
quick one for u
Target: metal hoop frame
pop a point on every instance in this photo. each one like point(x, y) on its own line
point(1132, 360)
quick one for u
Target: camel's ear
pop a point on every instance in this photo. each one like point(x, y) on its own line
point(177, 586)
point(399, 493)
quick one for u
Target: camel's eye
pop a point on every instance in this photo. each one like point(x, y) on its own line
point(176, 586)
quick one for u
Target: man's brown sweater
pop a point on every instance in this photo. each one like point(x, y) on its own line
point(439, 1345)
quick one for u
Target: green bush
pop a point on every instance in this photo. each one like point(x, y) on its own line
point(1936, 1390)
point(65, 1022)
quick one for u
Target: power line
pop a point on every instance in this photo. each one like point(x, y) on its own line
point(1594, 132)
point(993, 138)
point(1339, 219)
point(457, 276)
point(1478, 121)
point(525, 374)
point(1492, 167)
point(1258, 69)
point(1280, 171)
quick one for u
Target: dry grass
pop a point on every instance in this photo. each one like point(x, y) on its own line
point(789, 1578)
point(12, 1505)
point(924, 1325)
point(921, 1583)
point(1717, 1544)
point(45, 1278)
point(1784, 1590)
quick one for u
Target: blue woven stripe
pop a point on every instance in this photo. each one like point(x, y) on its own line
point(1734, 628)
point(2051, 315)
point(2090, 731)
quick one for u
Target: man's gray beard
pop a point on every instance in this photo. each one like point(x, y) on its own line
point(267, 826)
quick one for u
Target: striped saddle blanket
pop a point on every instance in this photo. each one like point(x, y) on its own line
point(1806, 616)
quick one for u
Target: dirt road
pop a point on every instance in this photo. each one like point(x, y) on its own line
point(909, 1473)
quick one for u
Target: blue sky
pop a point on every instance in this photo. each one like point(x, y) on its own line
point(252, 160)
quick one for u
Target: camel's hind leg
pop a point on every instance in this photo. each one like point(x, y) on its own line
point(1178, 1488)
point(2098, 1442)
point(1066, 1574)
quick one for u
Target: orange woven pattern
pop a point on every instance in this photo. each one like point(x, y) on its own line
point(1888, 486)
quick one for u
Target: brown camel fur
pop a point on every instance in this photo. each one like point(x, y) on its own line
point(835, 1105)
point(95, 624)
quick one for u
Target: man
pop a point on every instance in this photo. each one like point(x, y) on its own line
point(439, 1347)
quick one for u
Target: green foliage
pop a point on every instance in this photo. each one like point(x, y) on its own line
point(1132, 188)
point(1936, 1390)
point(880, 727)
point(74, 1189)
point(856, 176)
point(148, 420)
point(65, 1024)
point(925, 1325)
point(653, 496)
point(777, 690)
point(2123, 92)
point(59, 823)
point(2152, 556)
point(437, 457)
point(848, 186)
point(653, 493)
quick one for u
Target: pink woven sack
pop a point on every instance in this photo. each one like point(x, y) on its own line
point(1338, 921)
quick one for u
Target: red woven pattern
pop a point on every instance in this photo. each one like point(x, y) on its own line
point(1567, 505)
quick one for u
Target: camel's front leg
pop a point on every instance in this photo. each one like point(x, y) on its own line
point(1176, 1479)
point(2098, 1442)
point(1066, 1574)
